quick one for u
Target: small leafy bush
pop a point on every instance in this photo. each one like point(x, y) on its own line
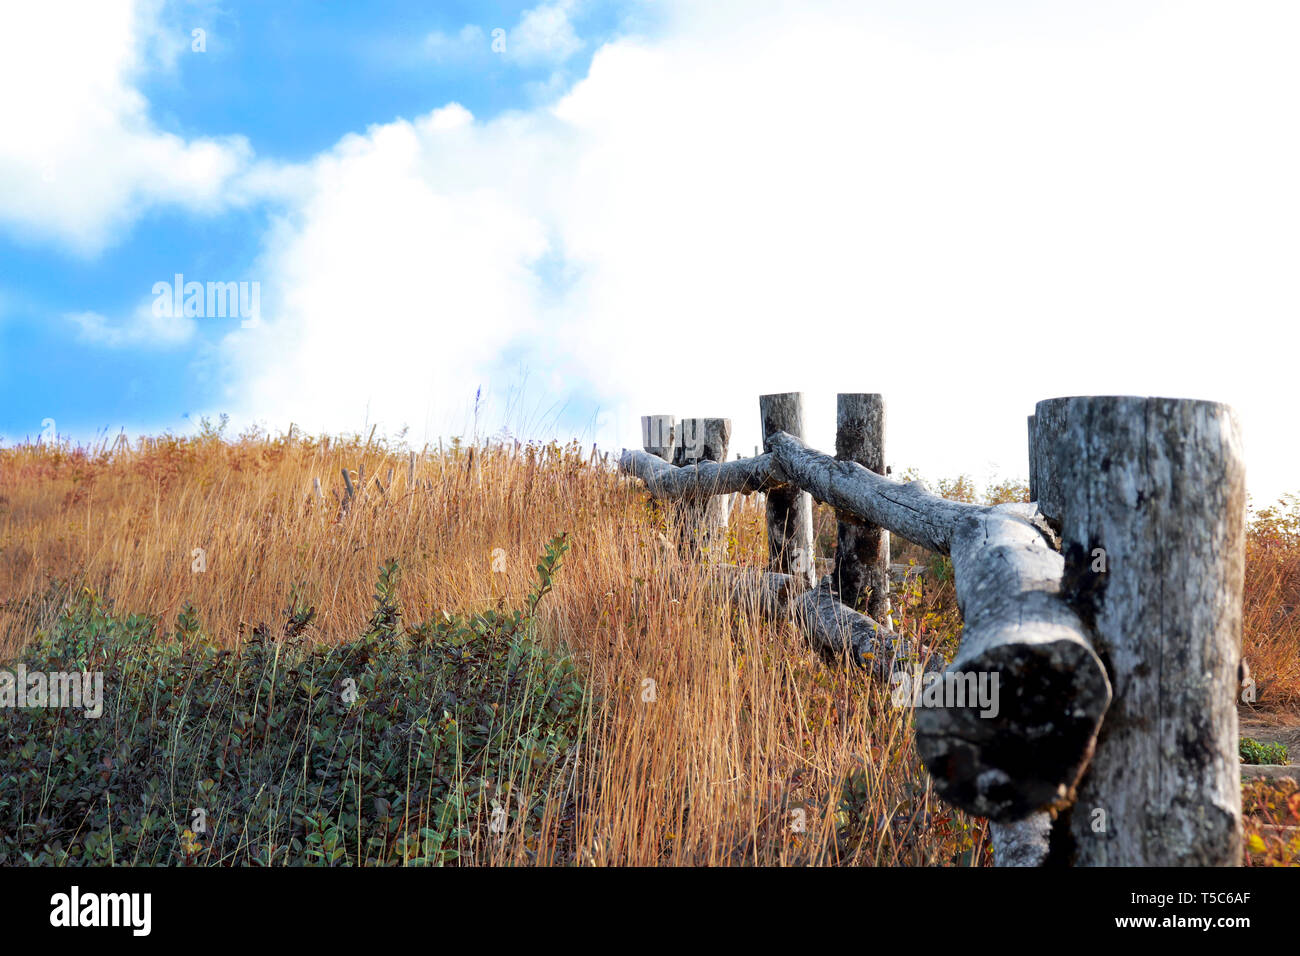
point(410, 745)
point(1252, 751)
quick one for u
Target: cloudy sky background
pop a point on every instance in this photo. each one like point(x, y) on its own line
point(636, 207)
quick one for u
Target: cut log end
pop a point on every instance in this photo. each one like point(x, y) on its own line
point(1006, 748)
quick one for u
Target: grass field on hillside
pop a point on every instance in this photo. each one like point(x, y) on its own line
point(537, 677)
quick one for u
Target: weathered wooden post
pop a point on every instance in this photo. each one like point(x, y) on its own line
point(690, 440)
point(1033, 463)
point(703, 439)
point(1044, 477)
point(1150, 497)
point(659, 435)
point(789, 510)
point(861, 575)
point(717, 439)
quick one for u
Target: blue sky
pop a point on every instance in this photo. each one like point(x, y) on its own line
point(650, 206)
point(294, 77)
point(291, 79)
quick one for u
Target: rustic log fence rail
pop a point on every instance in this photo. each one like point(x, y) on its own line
point(1106, 614)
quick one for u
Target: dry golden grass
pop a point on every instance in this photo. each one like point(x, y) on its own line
point(1271, 622)
point(749, 736)
point(753, 750)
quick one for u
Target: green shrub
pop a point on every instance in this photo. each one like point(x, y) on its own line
point(1252, 751)
point(392, 749)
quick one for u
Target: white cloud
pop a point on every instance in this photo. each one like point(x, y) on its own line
point(544, 34)
point(81, 159)
point(821, 197)
point(445, 48)
point(394, 285)
point(143, 329)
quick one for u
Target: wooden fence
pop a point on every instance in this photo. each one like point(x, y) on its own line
point(1106, 614)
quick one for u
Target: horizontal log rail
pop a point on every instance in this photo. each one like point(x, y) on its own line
point(702, 480)
point(832, 628)
point(1052, 688)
